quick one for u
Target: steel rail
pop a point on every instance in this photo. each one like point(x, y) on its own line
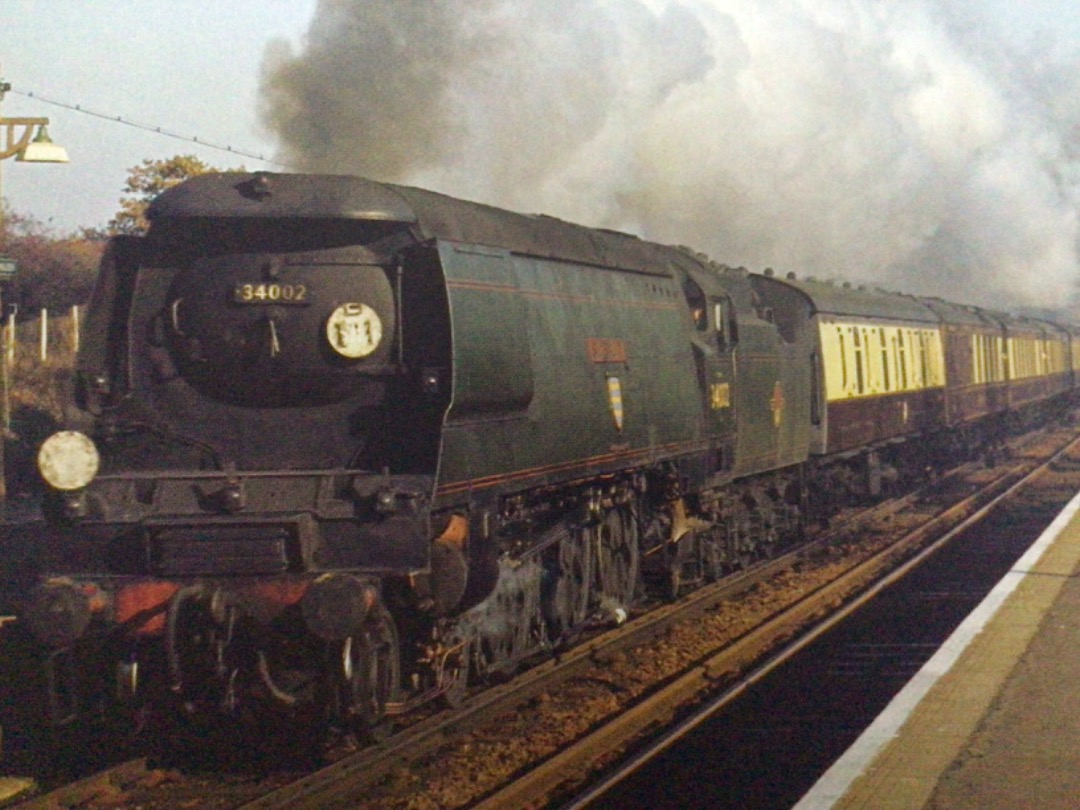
point(547, 778)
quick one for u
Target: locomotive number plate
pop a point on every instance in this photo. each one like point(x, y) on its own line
point(262, 292)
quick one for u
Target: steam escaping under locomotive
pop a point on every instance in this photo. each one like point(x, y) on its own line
point(354, 443)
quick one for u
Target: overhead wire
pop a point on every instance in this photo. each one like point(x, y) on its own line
point(146, 127)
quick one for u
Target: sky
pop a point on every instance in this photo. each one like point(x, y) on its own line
point(188, 66)
point(931, 146)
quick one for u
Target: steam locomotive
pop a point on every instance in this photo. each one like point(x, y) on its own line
point(353, 443)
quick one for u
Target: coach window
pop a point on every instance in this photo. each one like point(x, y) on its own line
point(920, 354)
point(843, 359)
point(884, 357)
point(901, 357)
point(860, 380)
point(916, 360)
point(893, 340)
point(925, 358)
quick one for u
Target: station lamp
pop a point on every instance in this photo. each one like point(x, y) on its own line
point(42, 149)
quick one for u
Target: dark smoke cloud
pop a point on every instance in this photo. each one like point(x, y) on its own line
point(370, 93)
point(895, 141)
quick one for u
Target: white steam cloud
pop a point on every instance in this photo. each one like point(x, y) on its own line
point(879, 140)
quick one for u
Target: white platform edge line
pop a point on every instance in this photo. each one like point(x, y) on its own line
point(836, 781)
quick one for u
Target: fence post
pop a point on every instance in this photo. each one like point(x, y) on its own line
point(75, 328)
point(7, 330)
point(44, 334)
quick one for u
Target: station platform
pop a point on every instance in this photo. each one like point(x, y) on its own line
point(992, 721)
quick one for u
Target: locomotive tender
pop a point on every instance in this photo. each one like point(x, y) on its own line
point(354, 442)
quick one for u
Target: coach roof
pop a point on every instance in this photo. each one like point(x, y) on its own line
point(849, 301)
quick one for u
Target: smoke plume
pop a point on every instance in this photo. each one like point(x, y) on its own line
point(888, 141)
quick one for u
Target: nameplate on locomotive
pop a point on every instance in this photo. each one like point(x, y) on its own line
point(606, 350)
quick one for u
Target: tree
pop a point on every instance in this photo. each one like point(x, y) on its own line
point(54, 271)
point(145, 182)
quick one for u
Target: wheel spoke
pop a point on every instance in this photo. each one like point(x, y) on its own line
point(617, 552)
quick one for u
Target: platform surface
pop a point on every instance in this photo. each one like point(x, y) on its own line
point(992, 721)
point(12, 787)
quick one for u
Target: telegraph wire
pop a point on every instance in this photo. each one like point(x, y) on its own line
point(147, 127)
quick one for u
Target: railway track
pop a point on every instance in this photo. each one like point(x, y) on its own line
point(539, 737)
point(867, 580)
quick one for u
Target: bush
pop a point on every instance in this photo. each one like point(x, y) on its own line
point(40, 398)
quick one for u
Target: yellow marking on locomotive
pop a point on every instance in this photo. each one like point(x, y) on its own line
point(720, 396)
point(776, 403)
point(614, 389)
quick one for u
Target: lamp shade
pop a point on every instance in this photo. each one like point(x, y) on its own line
point(43, 150)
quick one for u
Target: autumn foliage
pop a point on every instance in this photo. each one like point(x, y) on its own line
point(145, 182)
point(54, 272)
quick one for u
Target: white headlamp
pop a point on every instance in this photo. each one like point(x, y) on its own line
point(68, 460)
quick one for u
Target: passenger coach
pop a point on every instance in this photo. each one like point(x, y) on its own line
point(879, 364)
